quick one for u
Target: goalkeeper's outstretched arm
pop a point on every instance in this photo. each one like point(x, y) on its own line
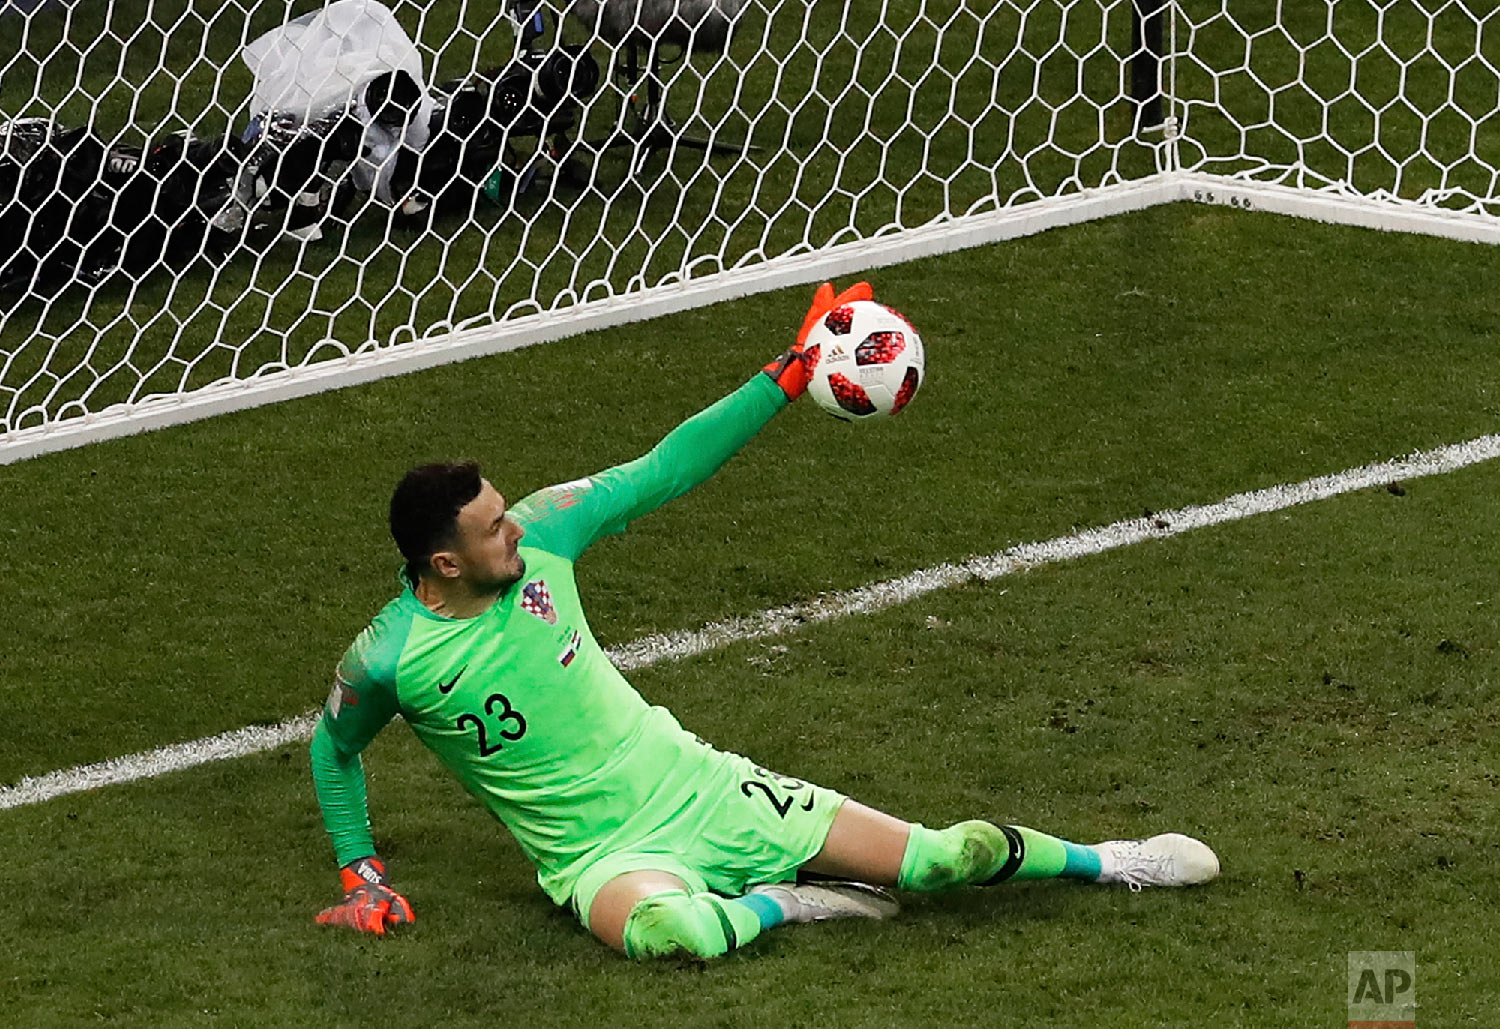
point(565, 519)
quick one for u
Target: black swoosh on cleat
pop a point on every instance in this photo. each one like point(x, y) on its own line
point(447, 687)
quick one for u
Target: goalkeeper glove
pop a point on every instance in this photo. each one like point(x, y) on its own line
point(369, 904)
point(791, 371)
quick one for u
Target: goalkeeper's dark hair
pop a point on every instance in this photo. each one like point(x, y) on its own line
point(424, 510)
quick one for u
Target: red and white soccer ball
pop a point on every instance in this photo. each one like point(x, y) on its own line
point(867, 362)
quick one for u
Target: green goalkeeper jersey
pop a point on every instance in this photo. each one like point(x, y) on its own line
point(520, 702)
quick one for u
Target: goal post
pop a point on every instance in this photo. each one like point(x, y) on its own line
point(168, 253)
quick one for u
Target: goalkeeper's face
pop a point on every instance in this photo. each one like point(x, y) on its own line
point(484, 548)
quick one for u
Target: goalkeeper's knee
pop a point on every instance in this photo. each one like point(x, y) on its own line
point(675, 924)
point(974, 852)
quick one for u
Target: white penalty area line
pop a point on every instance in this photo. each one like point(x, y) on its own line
point(649, 650)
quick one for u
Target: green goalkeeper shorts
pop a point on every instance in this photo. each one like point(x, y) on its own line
point(745, 826)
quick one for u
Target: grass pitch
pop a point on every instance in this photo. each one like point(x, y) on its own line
point(1311, 691)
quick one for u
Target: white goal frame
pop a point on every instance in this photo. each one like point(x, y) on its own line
point(1186, 171)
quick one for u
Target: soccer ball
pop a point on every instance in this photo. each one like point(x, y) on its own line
point(867, 361)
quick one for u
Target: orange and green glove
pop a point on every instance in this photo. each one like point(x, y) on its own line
point(791, 371)
point(369, 904)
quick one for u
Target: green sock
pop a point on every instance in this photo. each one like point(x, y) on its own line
point(703, 925)
point(1047, 857)
point(982, 853)
point(767, 912)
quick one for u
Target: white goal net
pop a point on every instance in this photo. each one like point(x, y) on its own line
point(1382, 112)
point(389, 189)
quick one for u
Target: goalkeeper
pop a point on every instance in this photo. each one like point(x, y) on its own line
point(661, 844)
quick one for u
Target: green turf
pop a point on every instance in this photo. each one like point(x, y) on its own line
point(1312, 691)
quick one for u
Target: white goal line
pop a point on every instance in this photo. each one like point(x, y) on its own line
point(676, 646)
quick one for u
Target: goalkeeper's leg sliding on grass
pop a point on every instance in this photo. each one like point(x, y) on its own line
point(660, 843)
point(656, 913)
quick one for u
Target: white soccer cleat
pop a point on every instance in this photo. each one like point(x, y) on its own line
point(1170, 859)
point(818, 902)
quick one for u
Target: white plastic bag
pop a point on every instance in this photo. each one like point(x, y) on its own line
point(321, 63)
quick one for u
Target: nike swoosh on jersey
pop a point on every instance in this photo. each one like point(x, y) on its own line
point(447, 687)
